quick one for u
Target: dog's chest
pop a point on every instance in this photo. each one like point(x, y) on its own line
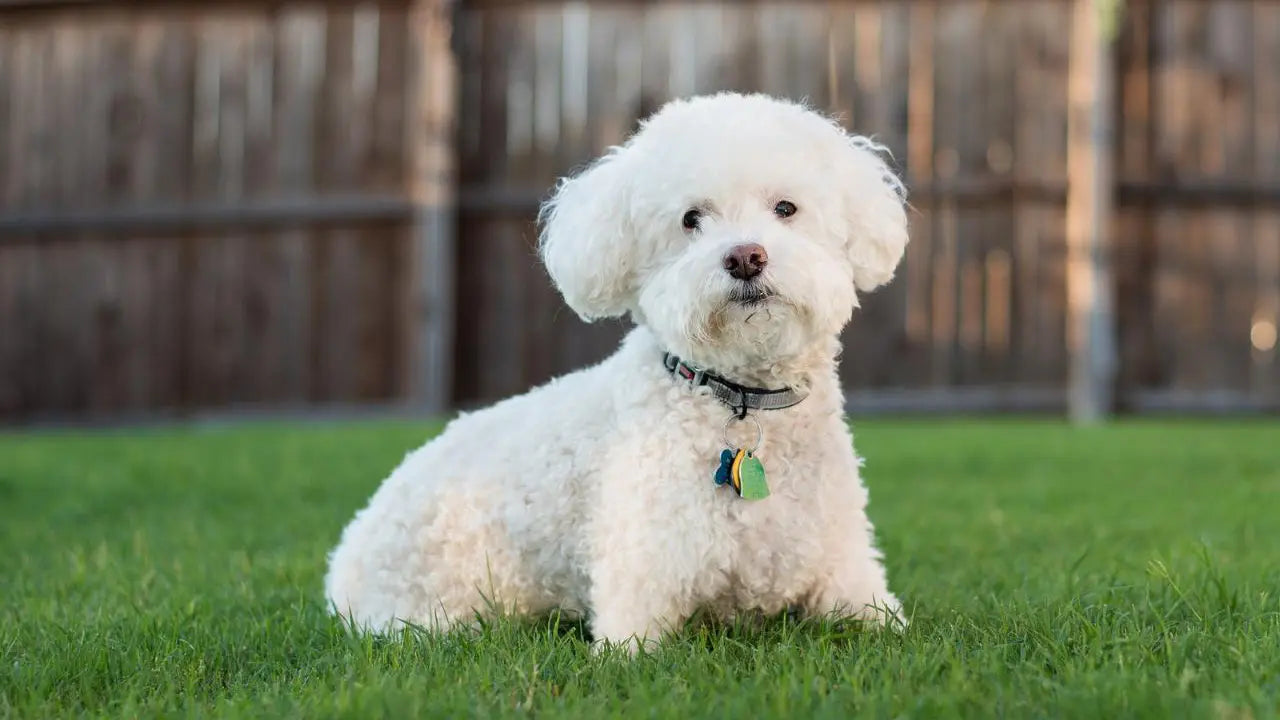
point(773, 547)
point(766, 551)
point(770, 546)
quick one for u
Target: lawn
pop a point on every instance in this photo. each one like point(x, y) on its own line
point(1050, 572)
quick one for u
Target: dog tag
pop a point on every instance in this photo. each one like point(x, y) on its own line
point(744, 472)
point(751, 484)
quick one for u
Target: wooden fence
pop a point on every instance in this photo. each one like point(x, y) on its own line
point(315, 202)
point(216, 206)
point(1198, 226)
point(972, 97)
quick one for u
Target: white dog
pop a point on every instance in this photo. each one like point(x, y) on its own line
point(735, 230)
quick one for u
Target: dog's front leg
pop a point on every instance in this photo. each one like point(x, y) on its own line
point(635, 603)
point(653, 551)
point(853, 582)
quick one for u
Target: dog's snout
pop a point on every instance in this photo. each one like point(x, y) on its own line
point(746, 261)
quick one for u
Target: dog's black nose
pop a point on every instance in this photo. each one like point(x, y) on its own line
point(746, 261)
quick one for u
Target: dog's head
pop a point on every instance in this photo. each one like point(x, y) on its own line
point(739, 228)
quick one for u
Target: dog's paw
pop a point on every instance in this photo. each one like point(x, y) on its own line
point(625, 648)
point(884, 615)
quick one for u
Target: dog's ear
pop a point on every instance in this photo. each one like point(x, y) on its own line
point(587, 239)
point(875, 215)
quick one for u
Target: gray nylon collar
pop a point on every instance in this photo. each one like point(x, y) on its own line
point(740, 398)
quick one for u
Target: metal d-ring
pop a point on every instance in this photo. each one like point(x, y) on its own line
point(724, 433)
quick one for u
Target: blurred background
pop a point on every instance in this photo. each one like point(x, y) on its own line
point(316, 206)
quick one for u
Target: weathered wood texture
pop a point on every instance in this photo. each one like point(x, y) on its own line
point(116, 113)
point(432, 186)
point(1091, 110)
point(288, 133)
point(972, 97)
point(1199, 282)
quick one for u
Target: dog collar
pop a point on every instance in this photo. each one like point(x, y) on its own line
point(740, 398)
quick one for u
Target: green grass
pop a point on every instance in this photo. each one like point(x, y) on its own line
point(1050, 571)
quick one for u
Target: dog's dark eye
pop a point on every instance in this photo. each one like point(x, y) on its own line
point(691, 219)
point(784, 209)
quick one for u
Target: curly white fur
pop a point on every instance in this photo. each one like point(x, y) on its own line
point(594, 493)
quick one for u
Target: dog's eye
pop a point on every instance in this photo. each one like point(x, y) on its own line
point(784, 209)
point(691, 219)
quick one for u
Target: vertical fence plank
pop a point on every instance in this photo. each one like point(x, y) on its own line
point(1228, 152)
point(920, 148)
point(13, 261)
point(1264, 374)
point(1178, 310)
point(229, 251)
point(299, 38)
point(1000, 59)
point(1039, 158)
point(485, 44)
point(1135, 243)
point(1089, 214)
point(337, 302)
point(949, 47)
point(117, 370)
point(262, 304)
point(163, 64)
point(561, 68)
point(432, 82)
point(8, 113)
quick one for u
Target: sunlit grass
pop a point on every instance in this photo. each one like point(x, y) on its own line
point(1049, 572)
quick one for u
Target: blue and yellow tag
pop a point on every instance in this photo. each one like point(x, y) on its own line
point(744, 472)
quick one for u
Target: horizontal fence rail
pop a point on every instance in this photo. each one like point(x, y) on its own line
point(242, 215)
